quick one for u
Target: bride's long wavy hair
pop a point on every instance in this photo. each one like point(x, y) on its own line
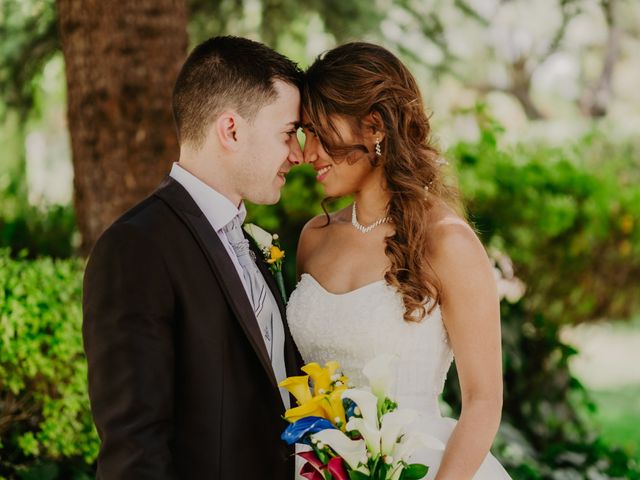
point(353, 81)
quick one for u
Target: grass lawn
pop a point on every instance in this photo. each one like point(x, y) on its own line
point(619, 416)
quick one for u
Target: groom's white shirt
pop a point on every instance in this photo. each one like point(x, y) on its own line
point(217, 209)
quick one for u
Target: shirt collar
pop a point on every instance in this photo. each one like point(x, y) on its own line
point(217, 208)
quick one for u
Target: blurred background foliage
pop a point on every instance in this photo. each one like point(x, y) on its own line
point(548, 166)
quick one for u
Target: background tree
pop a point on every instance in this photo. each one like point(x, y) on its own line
point(121, 61)
point(520, 39)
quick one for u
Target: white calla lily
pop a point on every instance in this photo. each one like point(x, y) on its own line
point(396, 472)
point(413, 441)
point(409, 444)
point(381, 371)
point(263, 238)
point(392, 426)
point(370, 433)
point(353, 452)
point(366, 402)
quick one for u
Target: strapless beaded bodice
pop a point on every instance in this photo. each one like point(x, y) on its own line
point(356, 326)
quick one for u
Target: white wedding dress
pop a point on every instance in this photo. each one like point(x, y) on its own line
point(354, 327)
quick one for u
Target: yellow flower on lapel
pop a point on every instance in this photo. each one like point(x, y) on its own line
point(298, 387)
point(269, 246)
point(275, 254)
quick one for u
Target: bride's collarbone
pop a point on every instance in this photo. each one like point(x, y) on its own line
point(349, 256)
point(344, 270)
point(347, 238)
point(342, 258)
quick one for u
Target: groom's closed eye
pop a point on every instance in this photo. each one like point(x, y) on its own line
point(291, 128)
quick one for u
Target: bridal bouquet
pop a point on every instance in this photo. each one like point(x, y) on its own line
point(352, 433)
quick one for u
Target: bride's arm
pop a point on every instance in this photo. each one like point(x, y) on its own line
point(471, 314)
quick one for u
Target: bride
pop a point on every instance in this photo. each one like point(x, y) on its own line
point(399, 270)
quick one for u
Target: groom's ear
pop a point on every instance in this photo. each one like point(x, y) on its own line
point(226, 129)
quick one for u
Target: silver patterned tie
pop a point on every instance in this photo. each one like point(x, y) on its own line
point(262, 300)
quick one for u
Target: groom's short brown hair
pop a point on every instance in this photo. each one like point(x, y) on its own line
point(227, 72)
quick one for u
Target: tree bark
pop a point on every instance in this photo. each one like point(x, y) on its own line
point(521, 89)
point(121, 61)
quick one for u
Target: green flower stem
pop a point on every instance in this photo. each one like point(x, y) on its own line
point(280, 283)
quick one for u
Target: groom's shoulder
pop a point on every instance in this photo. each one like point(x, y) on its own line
point(150, 217)
point(145, 214)
point(142, 220)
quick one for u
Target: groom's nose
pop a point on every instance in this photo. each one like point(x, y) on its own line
point(295, 152)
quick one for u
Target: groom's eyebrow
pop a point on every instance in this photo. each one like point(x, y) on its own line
point(293, 124)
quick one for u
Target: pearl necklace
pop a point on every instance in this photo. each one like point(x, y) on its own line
point(362, 228)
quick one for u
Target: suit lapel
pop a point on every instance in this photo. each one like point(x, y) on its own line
point(268, 276)
point(293, 361)
point(177, 198)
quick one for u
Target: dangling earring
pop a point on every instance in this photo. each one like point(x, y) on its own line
point(378, 148)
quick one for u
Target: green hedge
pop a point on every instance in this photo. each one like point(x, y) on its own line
point(568, 217)
point(38, 231)
point(44, 408)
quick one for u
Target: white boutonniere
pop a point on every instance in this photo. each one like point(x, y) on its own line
point(269, 245)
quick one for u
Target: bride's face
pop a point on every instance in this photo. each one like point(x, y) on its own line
point(338, 176)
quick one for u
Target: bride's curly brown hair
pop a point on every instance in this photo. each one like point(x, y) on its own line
point(357, 80)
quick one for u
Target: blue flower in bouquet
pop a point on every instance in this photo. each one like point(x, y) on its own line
point(299, 431)
point(349, 407)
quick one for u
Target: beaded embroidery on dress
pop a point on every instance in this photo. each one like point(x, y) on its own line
point(359, 325)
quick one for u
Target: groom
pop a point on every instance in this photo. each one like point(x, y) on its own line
point(184, 331)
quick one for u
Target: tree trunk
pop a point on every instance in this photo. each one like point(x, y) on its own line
point(121, 61)
point(521, 89)
point(597, 99)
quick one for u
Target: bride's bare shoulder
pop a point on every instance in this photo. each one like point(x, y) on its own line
point(321, 225)
point(453, 240)
point(315, 233)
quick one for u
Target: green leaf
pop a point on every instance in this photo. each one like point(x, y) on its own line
point(414, 471)
point(354, 475)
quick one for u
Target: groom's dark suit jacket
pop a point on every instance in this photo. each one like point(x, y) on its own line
point(180, 382)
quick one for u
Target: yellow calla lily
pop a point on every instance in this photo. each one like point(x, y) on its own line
point(298, 386)
point(275, 254)
point(344, 380)
point(310, 408)
point(320, 376)
point(332, 367)
point(332, 405)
